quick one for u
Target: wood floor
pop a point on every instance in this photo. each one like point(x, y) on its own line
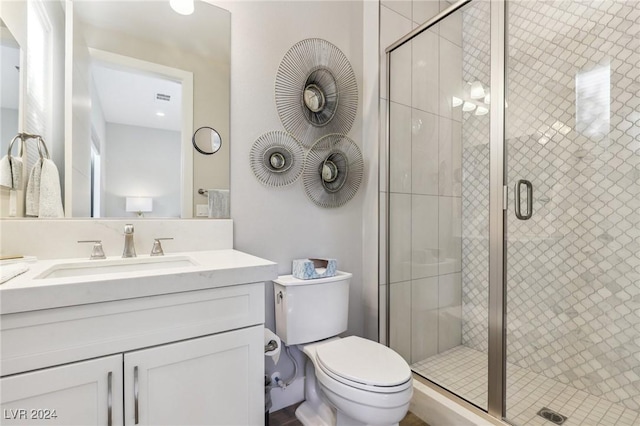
point(287, 417)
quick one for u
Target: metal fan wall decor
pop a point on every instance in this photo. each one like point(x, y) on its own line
point(333, 171)
point(316, 91)
point(276, 159)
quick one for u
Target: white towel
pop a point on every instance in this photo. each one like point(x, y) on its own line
point(11, 172)
point(219, 205)
point(9, 271)
point(32, 197)
point(44, 197)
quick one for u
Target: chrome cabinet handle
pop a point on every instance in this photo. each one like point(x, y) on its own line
point(109, 399)
point(135, 394)
point(529, 211)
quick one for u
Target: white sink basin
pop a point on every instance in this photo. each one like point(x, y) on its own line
point(110, 266)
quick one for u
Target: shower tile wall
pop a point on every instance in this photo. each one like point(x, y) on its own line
point(574, 268)
point(425, 187)
point(476, 53)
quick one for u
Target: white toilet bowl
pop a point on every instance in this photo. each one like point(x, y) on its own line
point(354, 381)
point(351, 381)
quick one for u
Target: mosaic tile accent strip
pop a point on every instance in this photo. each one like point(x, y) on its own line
point(463, 371)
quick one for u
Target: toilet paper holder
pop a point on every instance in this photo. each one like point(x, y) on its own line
point(272, 345)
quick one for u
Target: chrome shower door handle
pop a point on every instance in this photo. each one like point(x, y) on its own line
point(529, 211)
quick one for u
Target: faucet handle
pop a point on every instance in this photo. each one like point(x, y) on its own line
point(96, 252)
point(128, 228)
point(156, 250)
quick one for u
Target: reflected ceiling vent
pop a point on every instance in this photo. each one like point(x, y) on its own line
point(161, 97)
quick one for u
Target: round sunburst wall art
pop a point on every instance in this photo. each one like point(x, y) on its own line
point(316, 91)
point(333, 171)
point(276, 159)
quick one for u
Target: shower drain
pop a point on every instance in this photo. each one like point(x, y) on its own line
point(552, 416)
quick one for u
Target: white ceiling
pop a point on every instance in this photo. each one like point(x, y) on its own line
point(9, 76)
point(205, 32)
point(129, 97)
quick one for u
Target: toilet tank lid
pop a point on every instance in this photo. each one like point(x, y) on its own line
point(290, 280)
point(364, 361)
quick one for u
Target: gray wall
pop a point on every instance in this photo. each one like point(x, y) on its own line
point(9, 128)
point(142, 162)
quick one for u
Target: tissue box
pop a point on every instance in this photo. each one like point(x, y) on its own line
point(307, 269)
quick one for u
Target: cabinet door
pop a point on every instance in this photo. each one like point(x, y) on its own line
point(213, 380)
point(83, 393)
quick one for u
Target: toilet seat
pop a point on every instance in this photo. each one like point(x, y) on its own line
point(364, 364)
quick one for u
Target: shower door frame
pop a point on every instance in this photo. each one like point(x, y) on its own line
point(496, 403)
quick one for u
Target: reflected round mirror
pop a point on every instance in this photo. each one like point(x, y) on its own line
point(206, 140)
point(334, 171)
point(329, 171)
point(277, 160)
point(314, 98)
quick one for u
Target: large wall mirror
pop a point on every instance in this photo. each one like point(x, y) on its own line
point(125, 86)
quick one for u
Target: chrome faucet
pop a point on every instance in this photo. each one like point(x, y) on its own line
point(129, 247)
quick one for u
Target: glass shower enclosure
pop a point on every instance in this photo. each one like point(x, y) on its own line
point(512, 207)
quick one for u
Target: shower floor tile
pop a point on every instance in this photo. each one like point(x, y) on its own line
point(464, 371)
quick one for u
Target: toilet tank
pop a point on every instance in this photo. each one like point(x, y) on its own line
point(311, 310)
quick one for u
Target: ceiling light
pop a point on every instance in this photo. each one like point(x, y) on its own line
point(183, 7)
point(481, 110)
point(456, 102)
point(476, 91)
point(160, 114)
point(487, 98)
point(468, 106)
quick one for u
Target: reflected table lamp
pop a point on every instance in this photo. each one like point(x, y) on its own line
point(139, 205)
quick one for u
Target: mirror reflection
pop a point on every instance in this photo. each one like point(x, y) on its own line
point(9, 84)
point(277, 160)
point(314, 98)
point(207, 140)
point(142, 78)
point(136, 125)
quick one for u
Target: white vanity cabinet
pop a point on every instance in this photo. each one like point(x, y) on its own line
point(82, 393)
point(188, 358)
point(214, 380)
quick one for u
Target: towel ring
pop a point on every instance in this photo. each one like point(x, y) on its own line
point(16, 137)
point(43, 151)
point(41, 146)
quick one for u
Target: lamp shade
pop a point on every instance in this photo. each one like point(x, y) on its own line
point(139, 204)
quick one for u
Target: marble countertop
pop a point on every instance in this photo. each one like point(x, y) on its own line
point(211, 269)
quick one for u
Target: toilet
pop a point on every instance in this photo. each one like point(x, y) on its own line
point(349, 381)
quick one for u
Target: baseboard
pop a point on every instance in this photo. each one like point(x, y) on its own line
point(292, 394)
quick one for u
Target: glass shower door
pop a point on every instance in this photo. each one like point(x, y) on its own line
point(439, 99)
point(573, 225)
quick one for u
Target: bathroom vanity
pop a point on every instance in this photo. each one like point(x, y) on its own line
point(107, 343)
